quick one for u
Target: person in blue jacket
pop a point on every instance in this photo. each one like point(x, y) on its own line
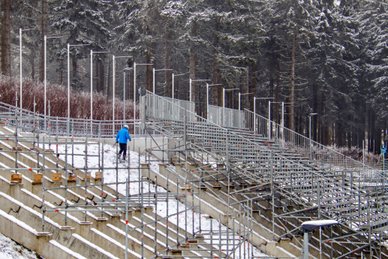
point(122, 138)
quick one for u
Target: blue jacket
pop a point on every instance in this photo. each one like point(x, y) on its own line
point(123, 136)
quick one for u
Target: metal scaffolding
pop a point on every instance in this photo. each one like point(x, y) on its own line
point(256, 190)
point(73, 196)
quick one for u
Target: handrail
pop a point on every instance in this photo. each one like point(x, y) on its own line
point(227, 143)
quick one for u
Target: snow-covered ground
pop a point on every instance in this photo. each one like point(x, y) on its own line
point(11, 250)
point(110, 176)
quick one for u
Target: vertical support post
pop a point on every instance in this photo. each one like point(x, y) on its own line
point(320, 242)
point(134, 98)
point(44, 82)
point(190, 89)
point(126, 216)
point(223, 105)
point(124, 97)
point(68, 88)
point(21, 71)
point(282, 126)
point(172, 86)
point(272, 193)
point(310, 137)
point(207, 101)
point(113, 91)
point(239, 101)
point(269, 121)
point(305, 245)
point(153, 81)
point(254, 114)
point(91, 93)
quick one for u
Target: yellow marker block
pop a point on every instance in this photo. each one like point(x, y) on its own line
point(56, 177)
point(72, 178)
point(99, 176)
point(37, 179)
point(16, 178)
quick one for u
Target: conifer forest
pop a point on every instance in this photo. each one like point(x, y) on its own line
point(327, 57)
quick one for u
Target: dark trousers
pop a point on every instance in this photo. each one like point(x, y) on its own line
point(123, 149)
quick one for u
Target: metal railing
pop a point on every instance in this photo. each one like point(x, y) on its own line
point(226, 117)
point(30, 121)
point(303, 178)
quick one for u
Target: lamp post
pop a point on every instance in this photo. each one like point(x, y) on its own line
point(114, 88)
point(173, 83)
point(311, 114)
point(223, 101)
point(91, 86)
point(124, 74)
point(21, 67)
point(153, 77)
point(191, 86)
point(239, 98)
point(254, 111)
point(134, 91)
point(207, 98)
point(45, 38)
point(68, 81)
point(281, 119)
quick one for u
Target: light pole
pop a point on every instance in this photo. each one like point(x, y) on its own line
point(207, 98)
point(223, 101)
point(191, 86)
point(91, 86)
point(124, 74)
point(311, 114)
point(68, 81)
point(45, 38)
point(134, 91)
point(281, 119)
point(114, 87)
point(173, 83)
point(153, 77)
point(239, 98)
point(21, 67)
point(254, 111)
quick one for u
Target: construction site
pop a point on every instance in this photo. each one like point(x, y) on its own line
point(232, 185)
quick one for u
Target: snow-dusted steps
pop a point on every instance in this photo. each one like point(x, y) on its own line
point(77, 233)
point(216, 207)
point(213, 195)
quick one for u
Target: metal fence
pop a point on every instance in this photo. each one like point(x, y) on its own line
point(335, 187)
point(30, 121)
point(227, 117)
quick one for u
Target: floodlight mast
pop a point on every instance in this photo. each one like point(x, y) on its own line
point(223, 101)
point(68, 81)
point(114, 88)
point(154, 75)
point(207, 98)
point(92, 52)
point(135, 90)
point(254, 113)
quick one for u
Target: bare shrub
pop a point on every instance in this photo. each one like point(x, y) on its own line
point(57, 97)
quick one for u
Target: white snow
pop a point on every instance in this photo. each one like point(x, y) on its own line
point(135, 186)
point(11, 250)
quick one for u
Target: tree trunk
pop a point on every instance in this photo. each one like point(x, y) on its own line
point(6, 38)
